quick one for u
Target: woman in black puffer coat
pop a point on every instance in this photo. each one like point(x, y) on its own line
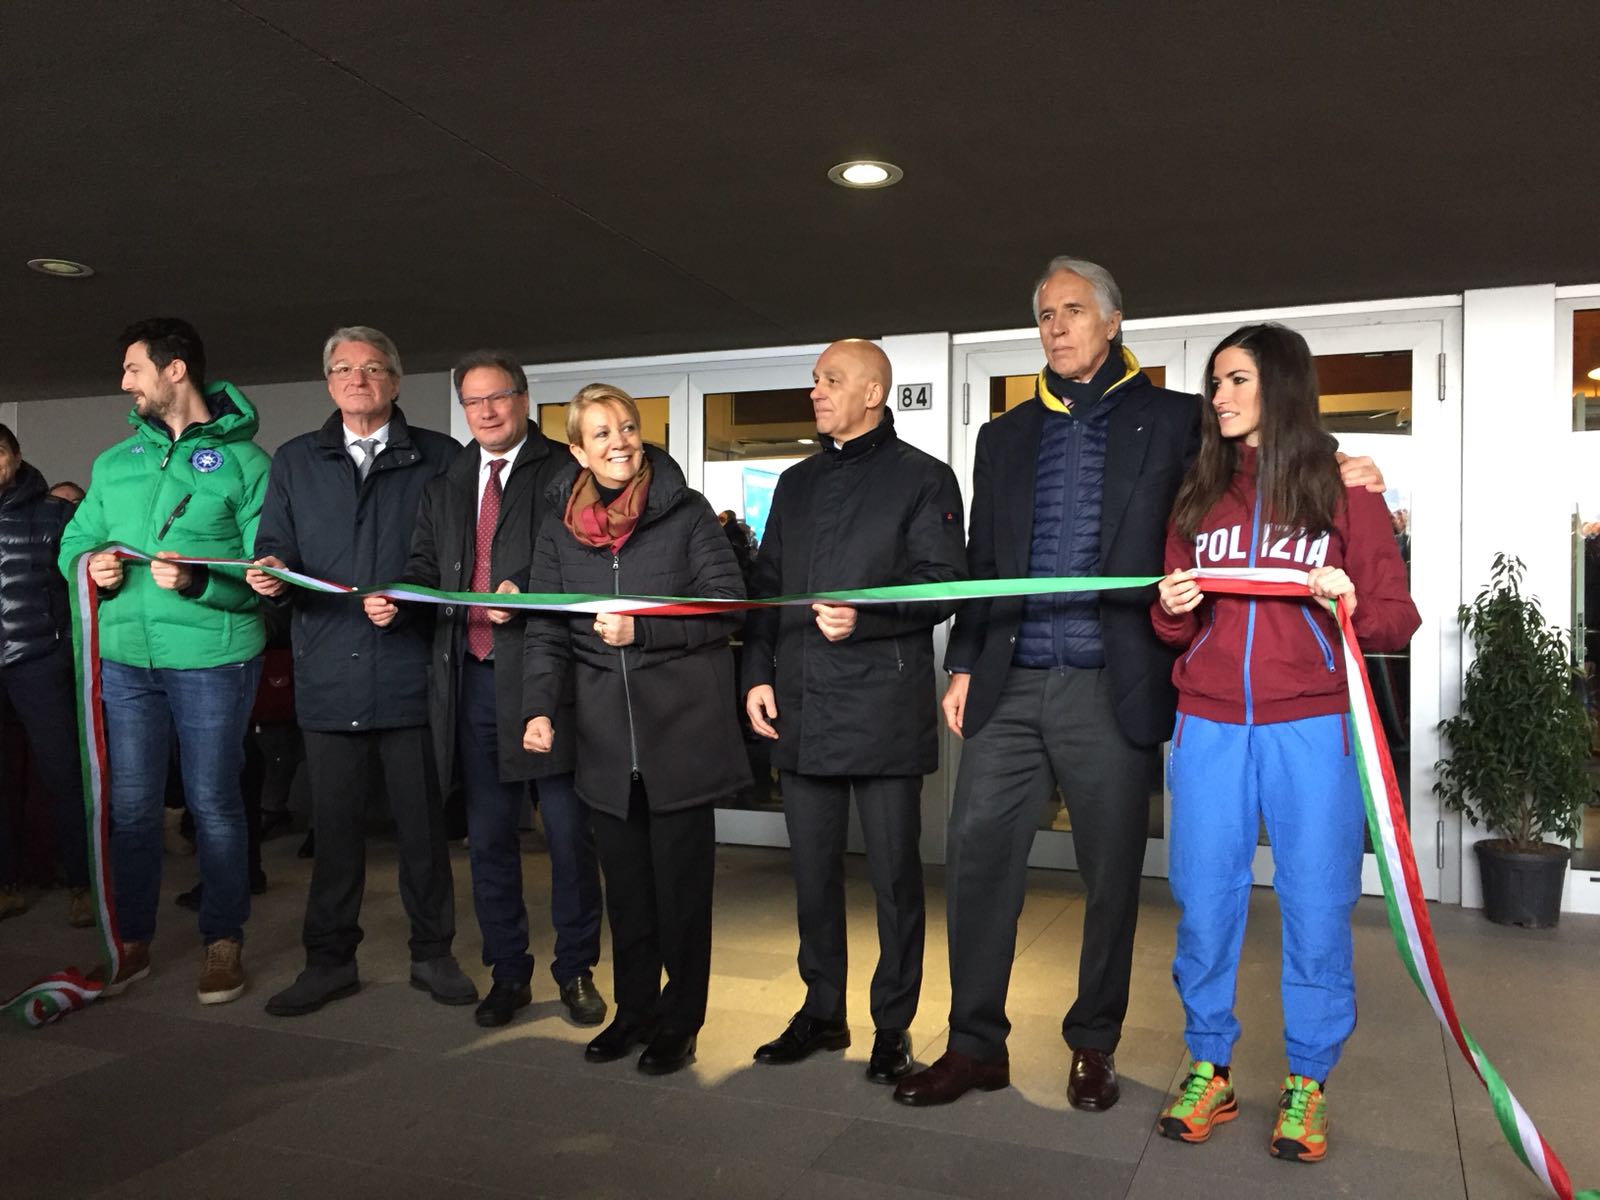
point(658, 737)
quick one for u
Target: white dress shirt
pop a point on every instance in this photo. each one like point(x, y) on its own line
point(485, 458)
point(381, 436)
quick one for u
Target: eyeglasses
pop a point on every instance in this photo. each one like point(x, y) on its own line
point(491, 398)
point(370, 370)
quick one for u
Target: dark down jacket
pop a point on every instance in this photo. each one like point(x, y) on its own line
point(874, 513)
point(33, 595)
point(660, 710)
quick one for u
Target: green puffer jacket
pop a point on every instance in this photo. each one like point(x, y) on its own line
point(209, 484)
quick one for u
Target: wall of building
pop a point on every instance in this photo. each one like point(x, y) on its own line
point(1521, 469)
point(63, 437)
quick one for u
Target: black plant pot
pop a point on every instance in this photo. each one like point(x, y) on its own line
point(1521, 888)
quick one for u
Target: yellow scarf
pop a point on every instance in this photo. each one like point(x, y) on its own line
point(1056, 404)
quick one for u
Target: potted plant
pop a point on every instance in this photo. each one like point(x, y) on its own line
point(1519, 749)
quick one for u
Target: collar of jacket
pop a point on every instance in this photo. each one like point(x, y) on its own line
point(864, 443)
point(27, 484)
point(233, 419)
point(330, 438)
point(667, 485)
point(465, 465)
point(1130, 368)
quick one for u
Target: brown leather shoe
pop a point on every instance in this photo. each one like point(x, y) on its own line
point(1092, 1083)
point(950, 1078)
point(135, 966)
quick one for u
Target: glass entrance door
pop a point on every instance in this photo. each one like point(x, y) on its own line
point(998, 379)
point(1383, 395)
point(747, 425)
point(1382, 381)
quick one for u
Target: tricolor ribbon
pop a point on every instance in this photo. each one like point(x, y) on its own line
point(67, 991)
point(1402, 887)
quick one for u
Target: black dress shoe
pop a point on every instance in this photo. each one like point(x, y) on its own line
point(617, 1039)
point(666, 1053)
point(804, 1036)
point(1092, 1082)
point(314, 987)
point(891, 1056)
point(583, 1000)
point(502, 1001)
point(951, 1077)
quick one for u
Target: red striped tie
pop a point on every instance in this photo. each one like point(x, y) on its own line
point(480, 633)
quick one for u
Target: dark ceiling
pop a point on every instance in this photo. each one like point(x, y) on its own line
point(586, 179)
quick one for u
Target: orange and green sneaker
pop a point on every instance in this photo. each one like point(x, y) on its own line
point(1301, 1130)
point(1205, 1101)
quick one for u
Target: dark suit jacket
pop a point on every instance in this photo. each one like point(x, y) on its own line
point(320, 517)
point(1151, 439)
point(443, 553)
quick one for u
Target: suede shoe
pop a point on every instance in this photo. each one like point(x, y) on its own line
point(12, 903)
point(950, 1078)
point(80, 909)
point(891, 1056)
point(135, 966)
point(221, 972)
point(617, 1039)
point(802, 1038)
point(666, 1053)
point(503, 1000)
point(583, 1000)
point(314, 987)
point(442, 979)
point(1092, 1082)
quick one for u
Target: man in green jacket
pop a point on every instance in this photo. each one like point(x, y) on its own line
point(180, 646)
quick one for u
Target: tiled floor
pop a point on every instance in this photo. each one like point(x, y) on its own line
point(389, 1095)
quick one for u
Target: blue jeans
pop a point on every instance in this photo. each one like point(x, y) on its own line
point(1300, 779)
point(209, 708)
point(494, 849)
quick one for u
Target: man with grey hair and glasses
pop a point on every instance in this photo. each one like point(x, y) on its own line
point(340, 505)
point(1070, 691)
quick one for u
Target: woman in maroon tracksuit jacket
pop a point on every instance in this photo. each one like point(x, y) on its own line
point(1262, 731)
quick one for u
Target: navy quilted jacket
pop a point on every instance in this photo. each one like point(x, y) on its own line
point(1070, 482)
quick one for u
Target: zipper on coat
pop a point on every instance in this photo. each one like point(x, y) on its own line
point(1327, 650)
point(622, 657)
point(899, 661)
point(1201, 640)
point(1250, 625)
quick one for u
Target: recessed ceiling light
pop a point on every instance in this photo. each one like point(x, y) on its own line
point(807, 441)
point(1594, 373)
point(60, 268)
point(866, 173)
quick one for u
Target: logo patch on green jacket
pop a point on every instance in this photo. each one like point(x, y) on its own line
point(206, 460)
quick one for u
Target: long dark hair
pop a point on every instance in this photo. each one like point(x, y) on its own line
point(1296, 475)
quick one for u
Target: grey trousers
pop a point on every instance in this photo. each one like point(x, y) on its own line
point(816, 809)
point(1051, 728)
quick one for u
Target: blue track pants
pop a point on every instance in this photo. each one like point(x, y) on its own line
point(1300, 779)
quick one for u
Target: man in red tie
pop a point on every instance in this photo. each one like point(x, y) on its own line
point(340, 505)
point(475, 532)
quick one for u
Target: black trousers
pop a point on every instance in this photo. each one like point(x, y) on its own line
point(342, 769)
point(1051, 728)
point(816, 809)
point(43, 695)
point(659, 869)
